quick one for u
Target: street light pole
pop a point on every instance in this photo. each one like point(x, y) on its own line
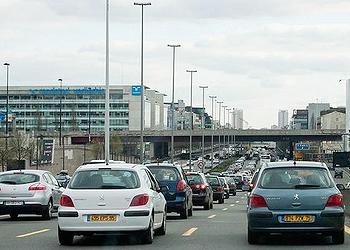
point(173, 46)
point(107, 87)
point(142, 153)
point(203, 126)
point(7, 110)
point(220, 103)
point(212, 128)
point(89, 115)
point(191, 120)
point(228, 126)
point(224, 107)
point(61, 96)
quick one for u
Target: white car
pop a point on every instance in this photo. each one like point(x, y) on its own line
point(112, 199)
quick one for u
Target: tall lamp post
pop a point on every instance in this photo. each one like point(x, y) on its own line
point(228, 126)
point(173, 46)
point(7, 110)
point(191, 120)
point(142, 153)
point(89, 115)
point(224, 107)
point(107, 87)
point(212, 128)
point(220, 103)
point(61, 96)
point(203, 125)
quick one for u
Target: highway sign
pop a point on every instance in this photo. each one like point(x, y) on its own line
point(136, 90)
point(302, 146)
point(2, 116)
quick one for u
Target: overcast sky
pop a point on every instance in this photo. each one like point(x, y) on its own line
point(255, 55)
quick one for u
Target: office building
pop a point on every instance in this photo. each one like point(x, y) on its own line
point(283, 119)
point(300, 119)
point(237, 119)
point(314, 113)
point(334, 118)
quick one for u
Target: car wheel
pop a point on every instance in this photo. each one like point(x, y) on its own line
point(252, 237)
point(162, 229)
point(211, 205)
point(65, 238)
point(184, 213)
point(13, 216)
point(190, 211)
point(47, 213)
point(148, 234)
point(207, 206)
point(234, 193)
point(338, 237)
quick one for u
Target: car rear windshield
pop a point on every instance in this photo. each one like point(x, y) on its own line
point(195, 178)
point(18, 178)
point(213, 181)
point(105, 179)
point(295, 178)
point(165, 173)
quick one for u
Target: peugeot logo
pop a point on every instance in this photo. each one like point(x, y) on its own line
point(296, 197)
point(101, 197)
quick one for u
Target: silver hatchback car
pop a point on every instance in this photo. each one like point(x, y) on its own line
point(295, 197)
point(29, 192)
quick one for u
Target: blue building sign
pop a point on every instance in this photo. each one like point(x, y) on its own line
point(136, 90)
point(302, 146)
point(68, 91)
point(2, 116)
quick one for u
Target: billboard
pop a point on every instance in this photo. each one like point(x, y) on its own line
point(341, 159)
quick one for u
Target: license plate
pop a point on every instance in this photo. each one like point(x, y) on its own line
point(102, 218)
point(298, 218)
point(13, 203)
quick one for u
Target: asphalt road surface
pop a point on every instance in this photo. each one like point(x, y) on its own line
point(224, 227)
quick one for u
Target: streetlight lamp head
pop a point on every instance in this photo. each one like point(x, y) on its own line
point(60, 80)
point(174, 45)
point(142, 4)
point(6, 64)
point(203, 87)
point(213, 96)
point(191, 71)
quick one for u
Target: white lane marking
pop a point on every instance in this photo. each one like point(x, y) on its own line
point(190, 231)
point(33, 233)
point(224, 209)
point(237, 201)
point(212, 216)
point(347, 229)
point(232, 205)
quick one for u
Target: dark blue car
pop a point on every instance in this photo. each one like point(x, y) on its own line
point(179, 193)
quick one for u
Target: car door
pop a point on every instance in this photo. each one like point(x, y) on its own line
point(49, 184)
point(188, 191)
point(158, 199)
point(56, 190)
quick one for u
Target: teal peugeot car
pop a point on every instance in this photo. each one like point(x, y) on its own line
point(295, 197)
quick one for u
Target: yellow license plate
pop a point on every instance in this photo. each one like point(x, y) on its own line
point(298, 218)
point(102, 218)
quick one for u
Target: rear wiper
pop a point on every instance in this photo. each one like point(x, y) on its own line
point(306, 186)
point(112, 187)
point(8, 182)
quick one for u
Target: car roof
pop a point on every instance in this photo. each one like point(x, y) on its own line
point(295, 164)
point(111, 166)
point(162, 165)
point(26, 171)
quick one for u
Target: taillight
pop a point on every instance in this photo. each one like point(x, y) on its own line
point(219, 189)
point(257, 201)
point(181, 185)
point(66, 201)
point(139, 200)
point(37, 187)
point(201, 186)
point(335, 201)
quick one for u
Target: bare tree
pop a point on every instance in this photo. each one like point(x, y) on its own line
point(97, 147)
point(19, 146)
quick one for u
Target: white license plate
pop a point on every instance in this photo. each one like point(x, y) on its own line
point(13, 203)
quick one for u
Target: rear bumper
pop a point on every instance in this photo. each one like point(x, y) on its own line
point(200, 200)
point(176, 205)
point(22, 209)
point(218, 196)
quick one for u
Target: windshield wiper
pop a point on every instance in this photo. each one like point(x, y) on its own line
point(8, 182)
point(112, 187)
point(306, 186)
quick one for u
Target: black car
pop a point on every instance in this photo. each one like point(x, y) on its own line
point(239, 180)
point(63, 178)
point(202, 192)
point(338, 173)
point(232, 185)
point(218, 189)
point(179, 193)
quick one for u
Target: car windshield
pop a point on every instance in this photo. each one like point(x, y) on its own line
point(105, 179)
point(222, 181)
point(165, 173)
point(213, 181)
point(295, 178)
point(18, 178)
point(195, 178)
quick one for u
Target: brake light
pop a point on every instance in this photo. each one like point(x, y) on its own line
point(201, 186)
point(66, 201)
point(181, 185)
point(37, 187)
point(139, 200)
point(219, 189)
point(335, 201)
point(257, 201)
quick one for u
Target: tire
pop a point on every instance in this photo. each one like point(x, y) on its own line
point(207, 206)
point(47, 213)
point(252, 237)
point(212, 205)
point(162, 229)
point(338, 237)
point(234, 193)
point(65, 238)
point(148, 234)
point(221, 200)
point(184, 213)
point(14, 216)
point(190, 211)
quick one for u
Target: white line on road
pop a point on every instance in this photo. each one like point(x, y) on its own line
point(33, 233)
point(224, 209)
point(347, 229)
point(237, 201)
point(190, 231)
point(212, 216)
point(232, 205)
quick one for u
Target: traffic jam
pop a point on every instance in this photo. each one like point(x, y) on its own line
point(134, 200)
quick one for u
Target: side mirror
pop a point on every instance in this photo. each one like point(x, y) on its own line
point(341, 187)
point(163, 189)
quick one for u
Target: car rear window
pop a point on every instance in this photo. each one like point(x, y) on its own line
point(195, 178)
point(19, 178)
point(295, 178)
point(165, 173)
point(105, 179)
point(213, 181)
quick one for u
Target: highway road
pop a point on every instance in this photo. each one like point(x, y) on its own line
point(224, 227)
